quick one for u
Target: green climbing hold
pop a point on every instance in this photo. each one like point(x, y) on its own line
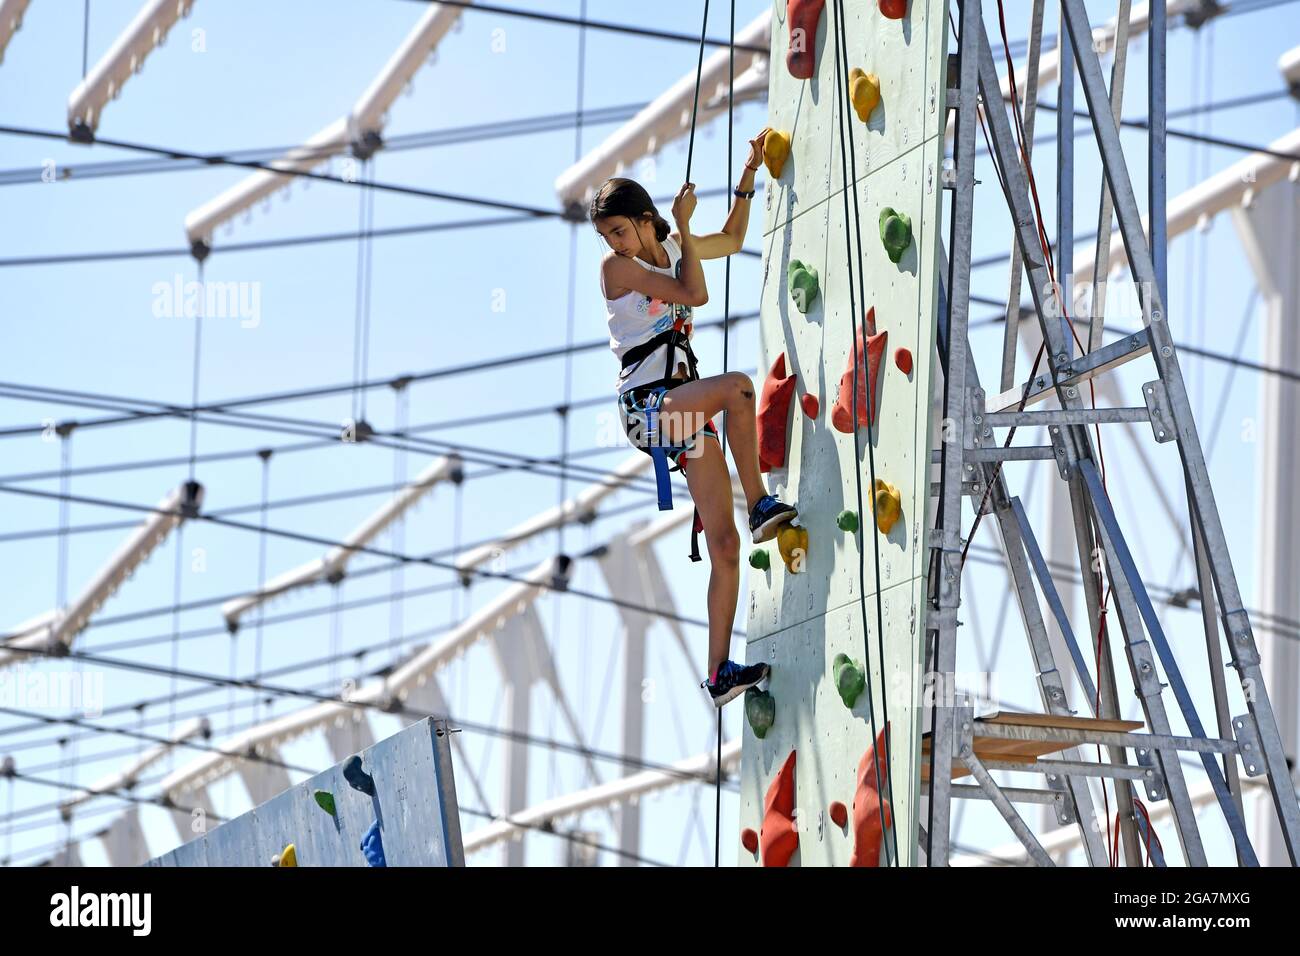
point(758, 558)
point(760, 711)
point(895, 233)
point(802, 280)
point(325, 800)
point(848, 521)
point(849, 679)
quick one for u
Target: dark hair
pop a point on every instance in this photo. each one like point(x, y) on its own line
point(627, 197)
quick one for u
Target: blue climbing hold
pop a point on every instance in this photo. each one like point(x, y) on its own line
point(372, 845)
point(356, 777)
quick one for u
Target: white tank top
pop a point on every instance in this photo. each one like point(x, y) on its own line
point(635, 318)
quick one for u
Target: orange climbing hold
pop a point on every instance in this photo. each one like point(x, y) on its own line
point(839, 814)
point(778, 836)
point(803, 16)
point(812, 405)
point(774, 416)
point(869, 806)
point(749, 839)
point(903, 359)
point(872, 349)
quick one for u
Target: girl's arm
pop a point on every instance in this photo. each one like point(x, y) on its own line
point(728, 242)
point(621, 275)
point(692, 273)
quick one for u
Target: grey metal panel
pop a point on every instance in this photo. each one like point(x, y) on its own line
point(415, 801)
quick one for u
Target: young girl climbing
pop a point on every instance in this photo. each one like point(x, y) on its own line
point(651, 280)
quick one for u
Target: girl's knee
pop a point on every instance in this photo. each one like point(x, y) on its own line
point(743, 384)
point(724, 545)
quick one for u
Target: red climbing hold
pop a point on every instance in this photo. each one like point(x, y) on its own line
point(839, 814)
point(903, 359)
point(749, 840)
point(893, 9)
point(812, 406)
point(774, 416)
point(873, 350)
point(803, 15)
point(869, 805)
point(779, 837)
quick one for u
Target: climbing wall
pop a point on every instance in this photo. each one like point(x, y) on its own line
point(402, 788)
point(800, 620)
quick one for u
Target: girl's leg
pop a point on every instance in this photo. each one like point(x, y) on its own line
point(687, 407)
point(709, 480)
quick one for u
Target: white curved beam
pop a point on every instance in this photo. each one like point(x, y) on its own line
point(1239, 184)
point(1103, 41)
point(106, 78)
point(603, 796)
point(370, 113)
point(668, 117)
point(271, 734)
point(203, 221)
point(61, 628)
point(11, 21)
point(359, 130)
point(126, 779)
point(581, 507)
point(333, 566)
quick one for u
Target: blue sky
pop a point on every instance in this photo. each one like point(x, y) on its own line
point(273, 74)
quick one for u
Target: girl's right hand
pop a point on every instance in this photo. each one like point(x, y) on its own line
point(684, 204)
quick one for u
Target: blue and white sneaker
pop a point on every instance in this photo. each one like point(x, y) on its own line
point(732, 680)
point(768, 516)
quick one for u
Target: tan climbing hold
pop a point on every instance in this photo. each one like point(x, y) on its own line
point(864, 90)
point(887, 504)
point(792, 542)
point(776, 150)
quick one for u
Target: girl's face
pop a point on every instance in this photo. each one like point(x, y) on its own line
point(626, 236)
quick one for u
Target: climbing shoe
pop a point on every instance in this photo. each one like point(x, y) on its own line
point(768, 515)
point(732, 680)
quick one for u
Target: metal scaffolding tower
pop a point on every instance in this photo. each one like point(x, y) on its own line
point(970, 460)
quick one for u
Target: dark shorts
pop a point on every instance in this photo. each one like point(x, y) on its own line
point(632, 409)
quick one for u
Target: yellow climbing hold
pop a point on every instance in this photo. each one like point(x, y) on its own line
point(288, 856)
point(887, 504)
point(776, 149)
point(792, 542)
point(864, 90)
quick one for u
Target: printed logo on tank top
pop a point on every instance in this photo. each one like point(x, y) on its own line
point(664, 313)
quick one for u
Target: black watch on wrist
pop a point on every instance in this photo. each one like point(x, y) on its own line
point(741, 194)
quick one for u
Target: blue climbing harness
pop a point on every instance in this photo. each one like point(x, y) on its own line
point(641, 407)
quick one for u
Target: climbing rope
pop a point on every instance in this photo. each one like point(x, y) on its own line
point(573, 283)
point(176, 624)
point(265, 455)
point(564, 409)
point(361, 321)
point(848, 167)
point(85, 38)
point(396, 604)
point(194, 379)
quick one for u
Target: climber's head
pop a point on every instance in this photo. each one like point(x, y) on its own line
point(626, 217)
